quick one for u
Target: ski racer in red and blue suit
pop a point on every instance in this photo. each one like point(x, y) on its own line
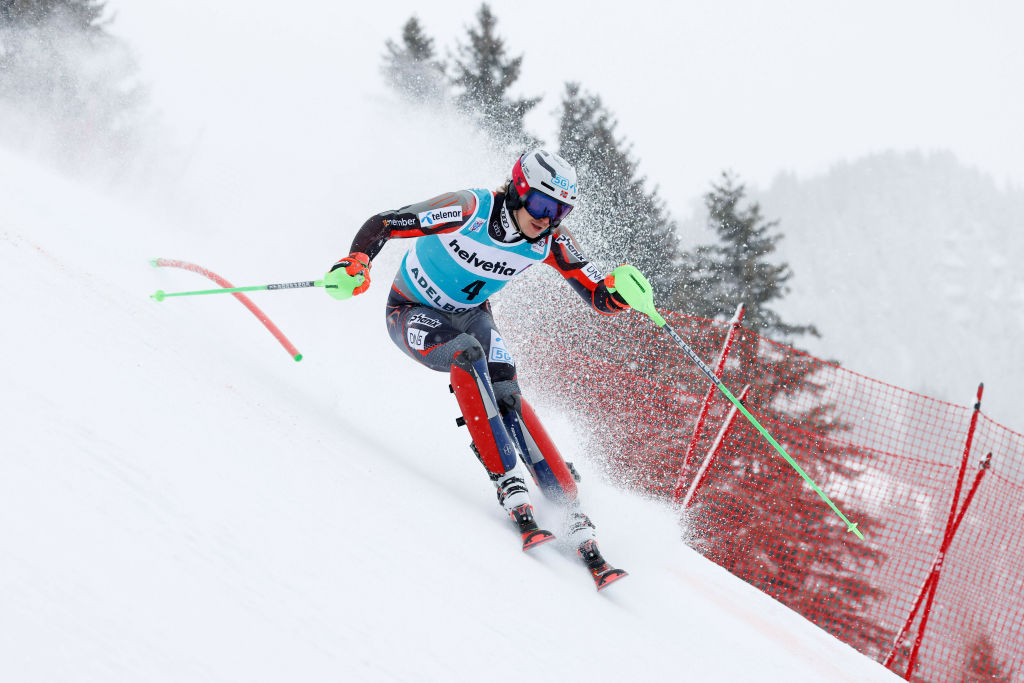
point(469, 244)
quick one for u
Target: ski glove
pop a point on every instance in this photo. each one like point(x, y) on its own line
point(349, 276)
point(630, 284)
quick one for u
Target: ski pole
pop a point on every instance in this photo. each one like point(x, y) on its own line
point(227, 287)
point(635, 289)
point(160, 294)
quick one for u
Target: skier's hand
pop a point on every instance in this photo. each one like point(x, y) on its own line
point(628, 283)
point(349, 276)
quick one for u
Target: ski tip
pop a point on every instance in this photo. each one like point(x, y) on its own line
point(158, 295)
point(532, 539)
point(298, 357)
point(609, 578)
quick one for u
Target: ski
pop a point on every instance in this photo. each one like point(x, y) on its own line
point(532, 539)
point(532, 534)
point(603, 573)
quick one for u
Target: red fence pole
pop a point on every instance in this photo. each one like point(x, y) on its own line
point(934, 577)
point(734, 326)
point(713, 451)
point(951, 522)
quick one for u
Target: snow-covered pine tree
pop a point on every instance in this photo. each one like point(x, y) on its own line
point(618, 218)
point(736, 269)
point(85, 15)
point(411, 67)
point(68, 89)
point(483, 77)
point(757, 517)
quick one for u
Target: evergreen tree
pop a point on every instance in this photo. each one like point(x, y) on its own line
point(752, 493)
point(84, 15)
point(758, 518)
point(717, 277)
point(484, 75)
point(67, 87)
point(983, 664)
point(411, 67)
point(618, 218)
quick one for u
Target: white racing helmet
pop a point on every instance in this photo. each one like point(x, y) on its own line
point(545, 184)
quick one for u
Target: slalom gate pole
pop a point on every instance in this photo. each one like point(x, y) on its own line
point(228, 288)
point(637, 291)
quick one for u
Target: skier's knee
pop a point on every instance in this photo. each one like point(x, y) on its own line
point(508, 396)
point(466, 350)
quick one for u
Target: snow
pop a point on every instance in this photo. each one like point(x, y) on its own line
point(179, 500)
point(182, 501)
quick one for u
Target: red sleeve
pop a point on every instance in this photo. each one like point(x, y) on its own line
point(582, 275)
point(441, 214)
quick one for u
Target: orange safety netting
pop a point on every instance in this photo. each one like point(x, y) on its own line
point(889, 458)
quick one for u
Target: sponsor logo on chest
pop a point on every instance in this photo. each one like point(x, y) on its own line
point(471, 256)
point(505, 228)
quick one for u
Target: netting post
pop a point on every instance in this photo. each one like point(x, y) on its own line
point(938, 567)
point(713, 451)
point(952, 522)
point(698, 427)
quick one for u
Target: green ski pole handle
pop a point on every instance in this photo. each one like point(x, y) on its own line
point(636, 290)
point(160, 294)
point(342, 283)
point(632, 286)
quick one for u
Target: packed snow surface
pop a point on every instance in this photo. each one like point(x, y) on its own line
point(183, 501)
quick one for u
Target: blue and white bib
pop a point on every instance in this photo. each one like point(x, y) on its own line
point(459, 270)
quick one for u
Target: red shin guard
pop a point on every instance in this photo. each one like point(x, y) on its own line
point(480, 413)
point(549, 452)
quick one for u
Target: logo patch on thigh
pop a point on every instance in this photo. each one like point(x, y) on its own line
point(416, 338)
point(499, 352)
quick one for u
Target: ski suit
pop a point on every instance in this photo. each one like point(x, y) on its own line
point(438, 313)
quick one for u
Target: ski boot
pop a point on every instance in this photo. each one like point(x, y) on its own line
point(602, 572)
point(512, 496)
point(582, 535)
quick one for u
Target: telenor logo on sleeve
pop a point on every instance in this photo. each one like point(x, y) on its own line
point(448, 214)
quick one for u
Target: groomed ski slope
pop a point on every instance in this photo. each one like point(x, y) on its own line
point(180, 501)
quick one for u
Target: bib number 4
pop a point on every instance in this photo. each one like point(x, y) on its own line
point(473, 289)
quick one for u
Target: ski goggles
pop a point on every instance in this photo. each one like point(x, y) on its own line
point(540, 206)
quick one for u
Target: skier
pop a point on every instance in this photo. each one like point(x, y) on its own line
point(471, 243)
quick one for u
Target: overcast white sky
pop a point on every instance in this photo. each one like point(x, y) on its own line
point(752, 86)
